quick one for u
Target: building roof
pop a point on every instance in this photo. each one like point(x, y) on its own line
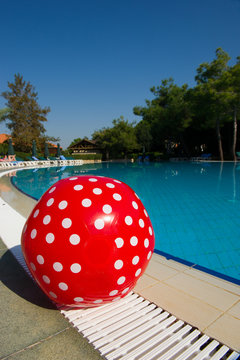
point(51, 145)
point(84, 143)
point(4, 137)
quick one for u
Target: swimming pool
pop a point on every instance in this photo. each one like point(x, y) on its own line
point(194, 207)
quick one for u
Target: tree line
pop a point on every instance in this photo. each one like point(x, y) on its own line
point(184, 121)
point(177, 121)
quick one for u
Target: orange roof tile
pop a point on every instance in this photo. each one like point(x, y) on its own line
point(4, 137)
point(53, 145)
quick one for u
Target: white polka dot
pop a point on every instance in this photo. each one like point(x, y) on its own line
point(50, 238)
point(145, 212)
point(116, 299)
point(63, 286)
point(133, 240)
point(121, 280)
point(36, 213)
point(62, 205)
point(33, 233)
point(66, 223)
point(138, 272)
point(86, 202)
point(125, 290)
point(97, 191)
point(99, 224)
point(117, 197)
point(107, 209)
point(119, 242)
point(135, 205)
point(118, 264)
point(40, 259)
point(149, 255)
point(46, 279)
point(111, 186)
point(57, 266)
point(119, 182)
point(73, 178)
point(78, 299)
point(98, 301)
point(150, 230)
point(128, 220)
point(74, 239)
point(50, 202)
point(135, 260)
point(52, 294)
point(75, 268)
point(92, 180)
point(141, 223)
point(113, 292)
point(146, 243)
point(46, 219)
point(33, 266)
point(78, 187)
point(52, 189)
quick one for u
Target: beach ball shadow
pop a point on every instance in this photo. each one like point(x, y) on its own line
point(14, 277)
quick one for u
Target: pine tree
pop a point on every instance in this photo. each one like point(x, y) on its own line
point(25, 117)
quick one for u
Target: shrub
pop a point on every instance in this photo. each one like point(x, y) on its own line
point(87, 156)
point(22, 155)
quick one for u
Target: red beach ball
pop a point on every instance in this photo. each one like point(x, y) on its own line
point(88, 240)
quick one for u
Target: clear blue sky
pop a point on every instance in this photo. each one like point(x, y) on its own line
point(92, 61)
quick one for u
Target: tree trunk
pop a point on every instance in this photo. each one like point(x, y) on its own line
point(234, 135)
point(185, 147)
point(219, 139)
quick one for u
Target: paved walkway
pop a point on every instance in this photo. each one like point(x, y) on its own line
point(31, 327)
point(207, 302)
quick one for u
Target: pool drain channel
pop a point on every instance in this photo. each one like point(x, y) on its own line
point(134, 328)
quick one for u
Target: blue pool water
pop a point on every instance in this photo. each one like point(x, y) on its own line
point(194, 207)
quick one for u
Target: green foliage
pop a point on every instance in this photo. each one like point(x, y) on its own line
point(23, 155)
point(87, 156)
point(4, 113)
point(4, 148)
point(26, 117)
point(143, 134)
point(185, 117)
point(117, 141)
point(166, 116)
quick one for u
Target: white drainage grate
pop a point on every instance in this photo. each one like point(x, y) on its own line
point(133, 328)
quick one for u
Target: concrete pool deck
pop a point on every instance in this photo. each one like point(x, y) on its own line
point(206, 302)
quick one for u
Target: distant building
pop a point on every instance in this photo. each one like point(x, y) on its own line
point(4, 137)
point(85, 147)
point(52, 148)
